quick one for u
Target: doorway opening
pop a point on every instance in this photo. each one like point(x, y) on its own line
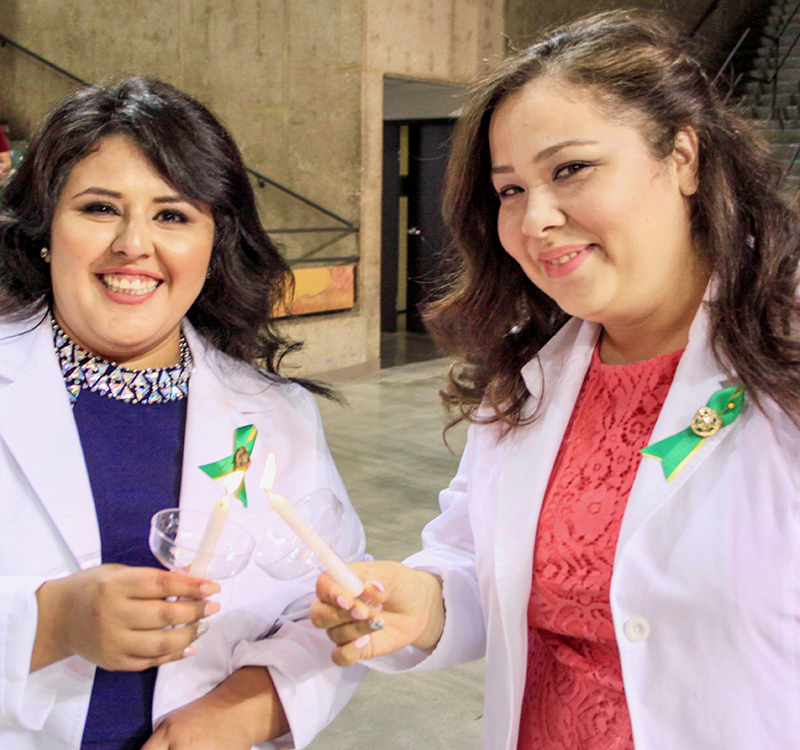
point(418, 123)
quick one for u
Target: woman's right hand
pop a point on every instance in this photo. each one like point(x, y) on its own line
point(405, 604)
point(119, 618)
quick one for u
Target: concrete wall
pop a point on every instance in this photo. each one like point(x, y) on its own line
point(445, 41)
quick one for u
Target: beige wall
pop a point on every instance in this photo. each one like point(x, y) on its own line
point(445, 41)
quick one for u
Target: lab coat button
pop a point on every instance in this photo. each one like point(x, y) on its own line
point(637, 629)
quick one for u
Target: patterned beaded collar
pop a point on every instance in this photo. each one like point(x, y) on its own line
point(153, 386)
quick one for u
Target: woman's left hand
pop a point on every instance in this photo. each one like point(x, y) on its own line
point(242, 711)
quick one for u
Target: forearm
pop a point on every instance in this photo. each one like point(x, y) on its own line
point(249, 699)
point(48, 647)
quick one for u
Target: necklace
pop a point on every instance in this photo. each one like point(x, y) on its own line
point(155, 385)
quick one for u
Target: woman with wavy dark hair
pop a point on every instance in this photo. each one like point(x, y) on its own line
point(137, 344)
point(623, 535)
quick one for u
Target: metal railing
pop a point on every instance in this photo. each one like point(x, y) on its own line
point(344, 229)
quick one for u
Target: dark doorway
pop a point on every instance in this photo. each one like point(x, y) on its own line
point(414, 235)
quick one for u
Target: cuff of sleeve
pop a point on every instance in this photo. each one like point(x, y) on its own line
point(463, 638)
point(312, 689)
point(26, 699)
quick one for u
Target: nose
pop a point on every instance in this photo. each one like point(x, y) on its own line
point(542, 213)
point(133, 238)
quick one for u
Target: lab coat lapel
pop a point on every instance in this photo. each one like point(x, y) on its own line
point(39, 430)
point(214, 412)
point(528, 459)
point(698, 376)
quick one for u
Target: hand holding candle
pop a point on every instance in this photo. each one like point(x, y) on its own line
point(333, 564)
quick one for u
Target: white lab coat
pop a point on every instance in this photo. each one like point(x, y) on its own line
point(49, 529)
point(705, 592)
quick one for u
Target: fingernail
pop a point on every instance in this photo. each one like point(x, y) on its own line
point(342, 602)
point(207, 588)
point(357, 614)
point(379, 586)
point(361, 642)
point(202, 626)
point(211, 608)
point(191, 651)
point(377, 623)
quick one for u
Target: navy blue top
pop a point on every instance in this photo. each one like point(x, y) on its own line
point(134, 454)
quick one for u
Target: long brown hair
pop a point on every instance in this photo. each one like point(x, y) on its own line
point(637, 68)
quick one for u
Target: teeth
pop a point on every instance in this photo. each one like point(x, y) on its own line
point(125, 284)
point(562, 260)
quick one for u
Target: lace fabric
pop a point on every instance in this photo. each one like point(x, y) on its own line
point(574, 696)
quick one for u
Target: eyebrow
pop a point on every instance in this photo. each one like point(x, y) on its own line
point(545, 153)
point(118, 196)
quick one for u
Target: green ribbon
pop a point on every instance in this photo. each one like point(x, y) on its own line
point(674, 452)
point(239, 460)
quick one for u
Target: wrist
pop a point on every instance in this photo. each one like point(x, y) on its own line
point(49, 645)
point(430, 636)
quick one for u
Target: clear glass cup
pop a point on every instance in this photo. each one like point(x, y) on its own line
point(282, 554)
point(175, 536)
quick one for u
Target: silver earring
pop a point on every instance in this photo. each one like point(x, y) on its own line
point(44, 254)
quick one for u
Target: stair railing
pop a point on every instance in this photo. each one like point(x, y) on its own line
point(733, 79)
point(346, 227)
point(780, 61)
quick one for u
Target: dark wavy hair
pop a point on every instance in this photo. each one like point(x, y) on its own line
point(637, 68)
point(191, 150)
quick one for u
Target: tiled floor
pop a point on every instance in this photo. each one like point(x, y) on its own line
point(388, 446)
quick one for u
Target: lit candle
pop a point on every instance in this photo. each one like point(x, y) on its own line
point(333, 564)
point(214, 526)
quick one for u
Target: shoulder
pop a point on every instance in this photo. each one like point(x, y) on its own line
point(19, 338)
point(244, 382)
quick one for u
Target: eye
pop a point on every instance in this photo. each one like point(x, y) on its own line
point(508, 191)
point(172, 216)
point(568, 170)
point(98, 208)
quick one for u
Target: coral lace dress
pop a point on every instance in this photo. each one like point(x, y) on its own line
point(574, 696)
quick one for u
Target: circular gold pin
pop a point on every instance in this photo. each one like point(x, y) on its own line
point(241, 459)
point(706, 422)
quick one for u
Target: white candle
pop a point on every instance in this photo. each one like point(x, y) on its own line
point(333, 564)
point(213, 529)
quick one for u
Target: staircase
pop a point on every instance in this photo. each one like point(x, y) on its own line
point(765, 74)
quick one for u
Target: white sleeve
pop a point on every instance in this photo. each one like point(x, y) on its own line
point(449, 551)
point(311, 687)
point(27, 700)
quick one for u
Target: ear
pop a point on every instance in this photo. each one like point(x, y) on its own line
point(685, 158)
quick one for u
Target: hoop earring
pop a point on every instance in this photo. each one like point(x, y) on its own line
point(44, 254)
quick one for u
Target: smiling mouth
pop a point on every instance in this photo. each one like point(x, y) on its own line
point(126, 284)
point(563, 259)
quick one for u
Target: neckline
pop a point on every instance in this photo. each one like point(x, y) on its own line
point(660, 361)
point(83, 370)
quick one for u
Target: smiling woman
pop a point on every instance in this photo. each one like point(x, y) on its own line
point(137, 289)
point(621, 540)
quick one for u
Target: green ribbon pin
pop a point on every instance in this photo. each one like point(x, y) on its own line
point(674, 452)
point(239, 460)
